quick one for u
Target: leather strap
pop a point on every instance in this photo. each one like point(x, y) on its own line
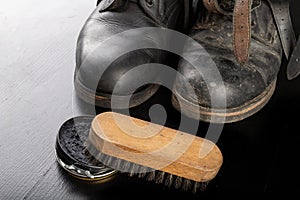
point(293, 67)
point(242, 29)
point(281, 13)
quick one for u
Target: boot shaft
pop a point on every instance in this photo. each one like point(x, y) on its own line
point(175, 14)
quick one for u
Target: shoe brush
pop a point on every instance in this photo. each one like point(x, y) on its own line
point(153, 152)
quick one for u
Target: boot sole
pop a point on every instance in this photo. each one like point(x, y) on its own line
point(221, 115)
point(104, 100)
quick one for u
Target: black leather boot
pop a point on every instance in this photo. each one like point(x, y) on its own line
point(244, 41)
point(94, 81)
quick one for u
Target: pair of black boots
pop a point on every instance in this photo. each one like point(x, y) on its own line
point(230, 54)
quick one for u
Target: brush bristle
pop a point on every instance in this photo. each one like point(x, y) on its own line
point(146, 173)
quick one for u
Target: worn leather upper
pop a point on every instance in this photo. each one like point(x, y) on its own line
point(242, 82)
point(240, 10)
point(116, 16)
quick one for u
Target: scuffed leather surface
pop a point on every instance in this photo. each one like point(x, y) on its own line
point(242, 82)
point(104, 23)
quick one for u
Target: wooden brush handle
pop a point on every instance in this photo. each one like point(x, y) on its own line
point(155, 146)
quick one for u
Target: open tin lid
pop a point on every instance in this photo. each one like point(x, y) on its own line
point(72, 154)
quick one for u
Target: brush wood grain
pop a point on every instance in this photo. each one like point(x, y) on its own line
point(155, 146)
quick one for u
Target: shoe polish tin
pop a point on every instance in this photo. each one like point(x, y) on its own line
point(72, 155)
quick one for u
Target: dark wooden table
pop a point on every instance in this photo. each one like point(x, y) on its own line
point(37, 50)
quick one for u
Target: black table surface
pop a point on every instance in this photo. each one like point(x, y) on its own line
point(37, 50)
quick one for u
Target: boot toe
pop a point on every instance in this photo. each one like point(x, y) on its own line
point(101, 64)
point(240, 90)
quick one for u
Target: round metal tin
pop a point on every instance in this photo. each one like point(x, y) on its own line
point(72, 154)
